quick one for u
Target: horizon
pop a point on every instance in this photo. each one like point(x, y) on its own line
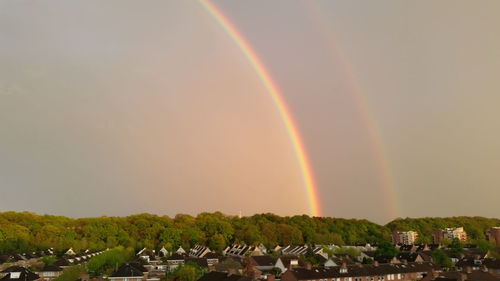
point(340, 109)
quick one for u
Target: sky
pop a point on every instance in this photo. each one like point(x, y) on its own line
point(122, 107)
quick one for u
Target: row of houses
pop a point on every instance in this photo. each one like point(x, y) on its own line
point(47, 272)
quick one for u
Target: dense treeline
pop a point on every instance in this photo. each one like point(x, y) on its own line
point(20, 232)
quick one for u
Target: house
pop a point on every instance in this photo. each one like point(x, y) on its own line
point(287, 262)
point(175, 261)
point(460, 276)
point(146, 254)
point(213, 259)
point(493, 266)
point(163, 252)
point(329, 263)
point(262, 248)
point(70, 252)
point(222, 276)
point(262, 262)
point(400, 272)
point(410, 257)
point(127, 272)
point(63, 263)
point(229, 265)
point(18, 273)
point(387, 259)
point(49, 272)
point(199, 251)
point(259, 266)
point(180, 251)
point(242, 251)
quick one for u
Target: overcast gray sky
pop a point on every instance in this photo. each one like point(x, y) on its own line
point(120, 107)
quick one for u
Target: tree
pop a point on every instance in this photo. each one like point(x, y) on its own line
point(440, 258)
point(188, 272)
point(456, 246)
point(386, 249)
point(108, 261)
point(367, 260)
point(71, 273)
point(217, 242)
point(48, 260)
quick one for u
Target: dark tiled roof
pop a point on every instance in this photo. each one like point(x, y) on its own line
point(25, 275)
point(13, 269)
point(62, 262)
point(456, 276)
point(176, 256)
point(222, 276)
point(287, 259)
point(490, 263)
point(138, 265)
point(263, 260)
point(410, 257)
point(202, 262)
point(127, 271)
point(213, 256)
point(360, 270)
point(51, 268)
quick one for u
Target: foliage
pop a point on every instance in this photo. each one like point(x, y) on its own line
point(48, 260)
point(109, 261)
point(386, 249)
point(474, 226)
point(353, 252)
point(440, 258)
point(25, 232)
point(367, 260)
point(188, 272)
point(71, 273)
point(456, 246)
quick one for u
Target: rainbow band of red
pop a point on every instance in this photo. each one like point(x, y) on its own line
point(277, 97)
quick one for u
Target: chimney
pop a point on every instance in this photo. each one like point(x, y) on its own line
point(290, 266)
point(271, 277)
point(308, 266)
point(462, 277)
point(375, 263)
point(404, 261)
point(344, 265)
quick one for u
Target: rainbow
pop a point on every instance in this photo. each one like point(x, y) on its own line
point(279, 101)
point(384, 172)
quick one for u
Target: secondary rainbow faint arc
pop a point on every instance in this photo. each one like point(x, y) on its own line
point(277, 97)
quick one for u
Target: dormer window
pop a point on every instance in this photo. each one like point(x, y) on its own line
point(15, 275)
point(343, 270)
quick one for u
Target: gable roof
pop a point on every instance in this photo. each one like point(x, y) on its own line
point(358, 271)
point(262, 260)
point(127, 270)
point(176, 257)
point(20, 273)
point(51, 268)
point(222, 276)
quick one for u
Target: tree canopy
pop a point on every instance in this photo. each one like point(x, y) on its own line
point(24, 232)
